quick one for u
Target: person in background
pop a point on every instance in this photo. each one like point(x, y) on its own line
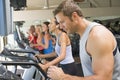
point(63, 51)
point(100, 57)
point(47, 43)
point(39, 39)
point(31, 35)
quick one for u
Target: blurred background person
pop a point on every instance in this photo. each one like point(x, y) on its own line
point(47, 44)
point(39, 39)
point(32, 37)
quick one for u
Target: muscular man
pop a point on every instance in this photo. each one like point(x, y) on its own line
point(98, 48)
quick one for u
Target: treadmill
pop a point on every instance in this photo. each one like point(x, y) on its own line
point(23, 61)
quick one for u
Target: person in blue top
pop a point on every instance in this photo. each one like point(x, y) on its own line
point(47, 43)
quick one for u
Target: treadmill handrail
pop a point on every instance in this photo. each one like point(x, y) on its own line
point(12, 56)
point(22, 51)
point(25, 63)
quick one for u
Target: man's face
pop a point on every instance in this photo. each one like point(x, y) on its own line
point(66, 23)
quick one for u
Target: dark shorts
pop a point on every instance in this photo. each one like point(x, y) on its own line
point(70, 68)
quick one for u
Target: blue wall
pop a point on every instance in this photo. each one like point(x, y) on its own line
point(3, 28)
point(5, 18)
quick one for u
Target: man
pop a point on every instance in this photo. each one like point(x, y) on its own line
point(98, 52)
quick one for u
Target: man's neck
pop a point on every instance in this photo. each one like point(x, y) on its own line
point(83, 25)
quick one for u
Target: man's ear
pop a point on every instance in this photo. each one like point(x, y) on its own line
point(74, 16)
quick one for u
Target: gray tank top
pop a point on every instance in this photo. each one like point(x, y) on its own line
point(86, 61)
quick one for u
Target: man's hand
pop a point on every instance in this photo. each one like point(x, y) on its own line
point(55, 73)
